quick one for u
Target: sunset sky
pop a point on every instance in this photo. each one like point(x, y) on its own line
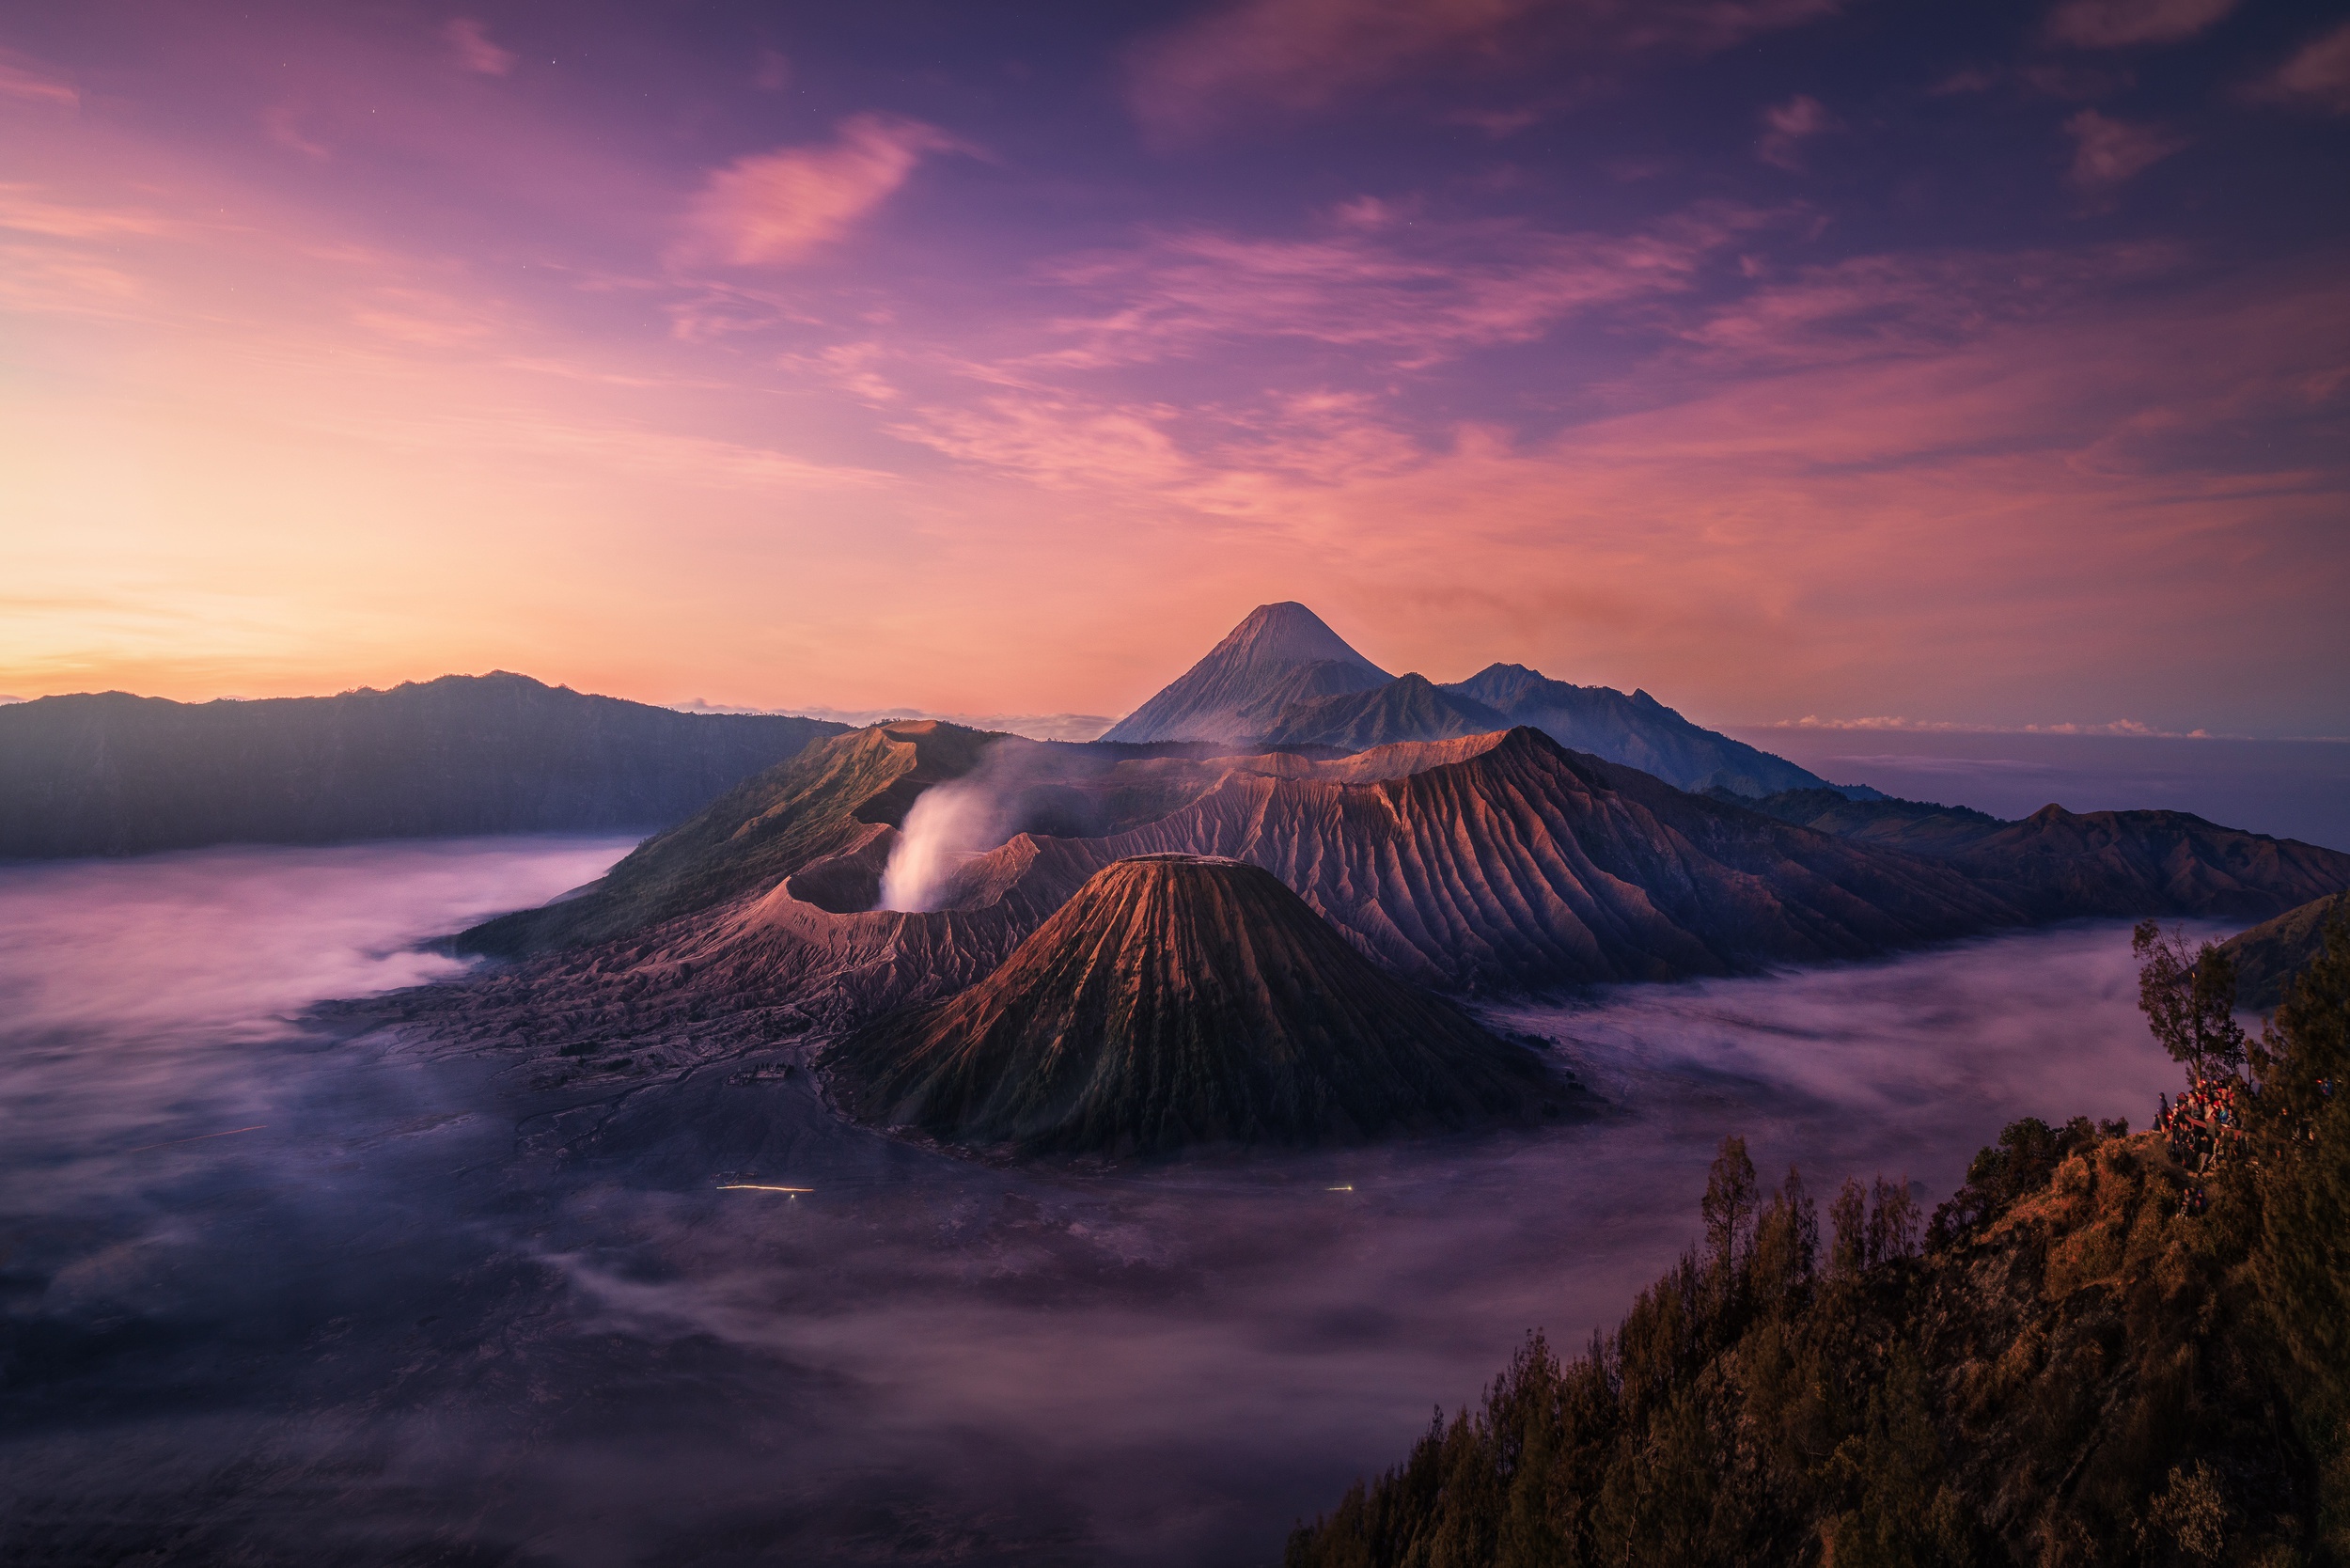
point(1966, 364)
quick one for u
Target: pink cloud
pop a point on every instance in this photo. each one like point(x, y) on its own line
point(28, 209)
point(2108, 153)
point(284, 125)
point(771, 208)
point(2120, 23)
point(1298, 56)
point(469, 41)
point(1878, 307)
point(1787, 125)
point(1417, 292)
point(21, 78)
point(2317, 77)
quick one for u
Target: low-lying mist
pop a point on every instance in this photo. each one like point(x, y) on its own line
point(414, 1313)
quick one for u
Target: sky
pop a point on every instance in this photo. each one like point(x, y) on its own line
point(1796, 360)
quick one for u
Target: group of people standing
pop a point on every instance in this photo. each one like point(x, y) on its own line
point(2205, 1130)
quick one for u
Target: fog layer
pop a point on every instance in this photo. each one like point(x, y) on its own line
point(406, 1309)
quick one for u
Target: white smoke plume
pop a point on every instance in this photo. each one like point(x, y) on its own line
point(1018, 785)
point(948, 826)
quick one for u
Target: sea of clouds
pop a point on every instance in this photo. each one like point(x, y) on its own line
point(274, 1293)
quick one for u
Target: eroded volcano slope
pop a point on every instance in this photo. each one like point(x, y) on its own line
point(1512, 864)
point(1176, 999)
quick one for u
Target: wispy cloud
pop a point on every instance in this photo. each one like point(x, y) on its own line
point(2121, 24)
point(2108, 153)
point(773, 209)
point(1787, 125)
point(469, 43)
point(1300, 56)
point(29, 210)
point(1905, 305)
point(2316, 78)
point(1414, 292)
point(25, 79)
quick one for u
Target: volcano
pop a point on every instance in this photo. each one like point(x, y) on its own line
point(1281, 654)
point(1179, 999)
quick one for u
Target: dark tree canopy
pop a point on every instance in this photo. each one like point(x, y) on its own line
point(2081, 1367)
point(2188, 997)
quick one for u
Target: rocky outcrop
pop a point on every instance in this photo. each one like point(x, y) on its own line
point(1174, 1000)
point(113, 774)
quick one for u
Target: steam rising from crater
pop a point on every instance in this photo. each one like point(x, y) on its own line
point(1019, 786)
point(949, 823)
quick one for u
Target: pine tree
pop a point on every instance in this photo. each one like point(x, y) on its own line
point(1728, 1206)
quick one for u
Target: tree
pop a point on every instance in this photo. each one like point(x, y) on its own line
point(2302, 1123)
point(1728, 1206)
point(2188, 997)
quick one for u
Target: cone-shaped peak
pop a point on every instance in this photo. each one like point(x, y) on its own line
point(1281, 653)
point(1176, 999)
point(1286, 633)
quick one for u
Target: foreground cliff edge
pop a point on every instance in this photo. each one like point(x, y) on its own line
point(2109, 1349)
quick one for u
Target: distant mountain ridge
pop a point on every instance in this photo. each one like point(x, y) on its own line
point(1636, 730)
point(2271, 954)
point(2057, 864)
point(112, 774)
point(1282, 678)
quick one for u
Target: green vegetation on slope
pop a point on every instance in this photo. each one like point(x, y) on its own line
point(2095, 1358)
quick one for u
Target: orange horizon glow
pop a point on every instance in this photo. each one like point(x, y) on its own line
point(413, 371)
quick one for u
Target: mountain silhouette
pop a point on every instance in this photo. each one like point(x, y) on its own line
point(107, 772)
point(2058, 864)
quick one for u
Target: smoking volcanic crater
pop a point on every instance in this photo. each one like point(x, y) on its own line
point(983, 937)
